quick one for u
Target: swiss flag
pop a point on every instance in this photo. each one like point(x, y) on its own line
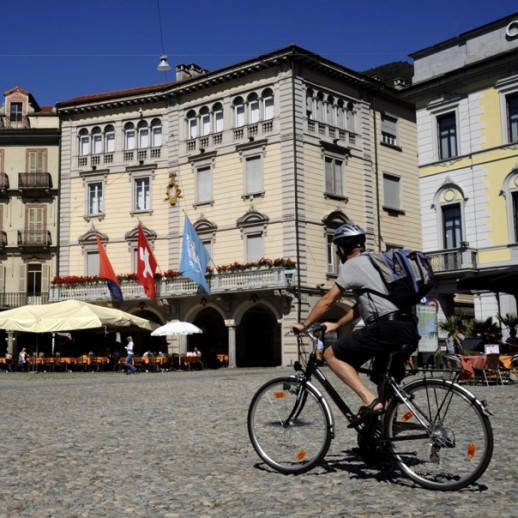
point(146, 265)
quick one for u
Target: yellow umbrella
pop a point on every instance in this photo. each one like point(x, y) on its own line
point(68, 315)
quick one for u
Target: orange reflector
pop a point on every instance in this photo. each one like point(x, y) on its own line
point(279, 395)
point(301, 455)
point(471, 450)
point(407, 416)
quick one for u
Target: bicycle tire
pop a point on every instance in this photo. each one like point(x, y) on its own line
point(457, 448)
point(295, 446)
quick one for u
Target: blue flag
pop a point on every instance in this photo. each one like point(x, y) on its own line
point(195, 257)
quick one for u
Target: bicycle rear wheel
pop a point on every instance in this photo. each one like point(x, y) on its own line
point(289, 425)
point(447, 443)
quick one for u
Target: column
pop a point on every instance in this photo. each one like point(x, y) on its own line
point(231, 325)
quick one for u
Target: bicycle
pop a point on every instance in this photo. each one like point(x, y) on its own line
point(437, 432)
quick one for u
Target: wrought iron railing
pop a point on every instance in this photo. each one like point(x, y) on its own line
point(34, 181)
point(34, 238)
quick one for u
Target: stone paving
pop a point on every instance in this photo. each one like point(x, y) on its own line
point(175, 444)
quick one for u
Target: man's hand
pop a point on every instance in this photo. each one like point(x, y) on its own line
point(331, 326)
point(297, 328)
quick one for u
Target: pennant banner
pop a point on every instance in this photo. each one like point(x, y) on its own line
point(195, 257)
point(106, 272)
point(146, 265)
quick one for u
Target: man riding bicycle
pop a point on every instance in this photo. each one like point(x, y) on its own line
point(386, 327)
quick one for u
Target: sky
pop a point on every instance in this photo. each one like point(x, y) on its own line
point(61, 49)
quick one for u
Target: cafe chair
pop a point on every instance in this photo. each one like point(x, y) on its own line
point(490, 371)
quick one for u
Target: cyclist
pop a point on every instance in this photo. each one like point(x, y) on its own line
point(386, 328)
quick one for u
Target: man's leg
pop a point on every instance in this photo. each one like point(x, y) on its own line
point(347, 373)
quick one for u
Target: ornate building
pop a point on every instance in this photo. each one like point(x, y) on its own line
point(266, 157)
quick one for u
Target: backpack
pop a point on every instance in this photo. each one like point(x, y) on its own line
point(407, 275)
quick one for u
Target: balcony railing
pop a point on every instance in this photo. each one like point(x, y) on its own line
point(453, 260)
point(34, 238)
point(34, 181)
point(3, 238)
point(248, 280)
point(17, 299)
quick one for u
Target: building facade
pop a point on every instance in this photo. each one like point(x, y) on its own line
point(29, 182)
point(266, 158)
point(466, 95)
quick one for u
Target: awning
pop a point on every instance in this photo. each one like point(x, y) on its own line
point(500, 280)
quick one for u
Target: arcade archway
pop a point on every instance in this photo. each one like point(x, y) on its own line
point(258, 339)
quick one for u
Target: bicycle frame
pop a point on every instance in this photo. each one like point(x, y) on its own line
point(398, 391)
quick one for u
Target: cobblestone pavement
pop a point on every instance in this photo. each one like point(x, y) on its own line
point(176, 444)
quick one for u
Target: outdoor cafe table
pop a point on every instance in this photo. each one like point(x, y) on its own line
point(479, 361)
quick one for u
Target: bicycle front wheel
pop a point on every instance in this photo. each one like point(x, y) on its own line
point(447, 442)
point(289, 425)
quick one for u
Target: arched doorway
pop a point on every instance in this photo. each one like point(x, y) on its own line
point(213, 340)
point(258, 339)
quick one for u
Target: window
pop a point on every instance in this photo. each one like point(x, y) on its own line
point(319, 114)
point(334, 176)
point(95, 198)
point(109, 139)
point(142, 194)
point(129, 137)
point(15, 112)
point(34, 279)
point(97, 141)
point(447, 135)
point(205, 121)
point(36, 160)
point(268, 105)
point(515, 215)
point(512, 117)
point(239, 113)
point(452, 228)
point(391, 192)
point(36, 224)
point(218, 118)
point(309, 104)
point(254, 247)
point(253, 109)
point(156, 133)
point(92, 263)
point(332, 258)
point(204, 184)
point(192, 125)
point(143, 135)
point(84, 142)
point(253, 175)
point(388, 130)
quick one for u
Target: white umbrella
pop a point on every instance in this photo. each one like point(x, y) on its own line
point(176, 327)
point(69, 315)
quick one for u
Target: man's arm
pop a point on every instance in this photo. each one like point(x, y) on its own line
point(351, 315)
point(326, 302)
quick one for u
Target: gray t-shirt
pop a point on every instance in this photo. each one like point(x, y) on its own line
point(358, 274)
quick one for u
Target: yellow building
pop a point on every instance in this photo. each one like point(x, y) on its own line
point(466, 95)
point(266, 158)
point(29, 181)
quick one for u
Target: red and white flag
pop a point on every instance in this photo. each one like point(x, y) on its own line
point(146, 265)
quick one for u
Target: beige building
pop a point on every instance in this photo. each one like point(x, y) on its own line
point(29, 181)
point(266, 157)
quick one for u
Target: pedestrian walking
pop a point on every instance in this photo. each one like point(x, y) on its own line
point(130, 368)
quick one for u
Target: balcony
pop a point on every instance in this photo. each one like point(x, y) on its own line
point(449, 261)
point(34, 182)
point(10, 300)
point(228, 282)
point(3, 239)
point(34, 238)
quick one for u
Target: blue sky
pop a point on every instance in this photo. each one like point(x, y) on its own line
point(60, 49)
